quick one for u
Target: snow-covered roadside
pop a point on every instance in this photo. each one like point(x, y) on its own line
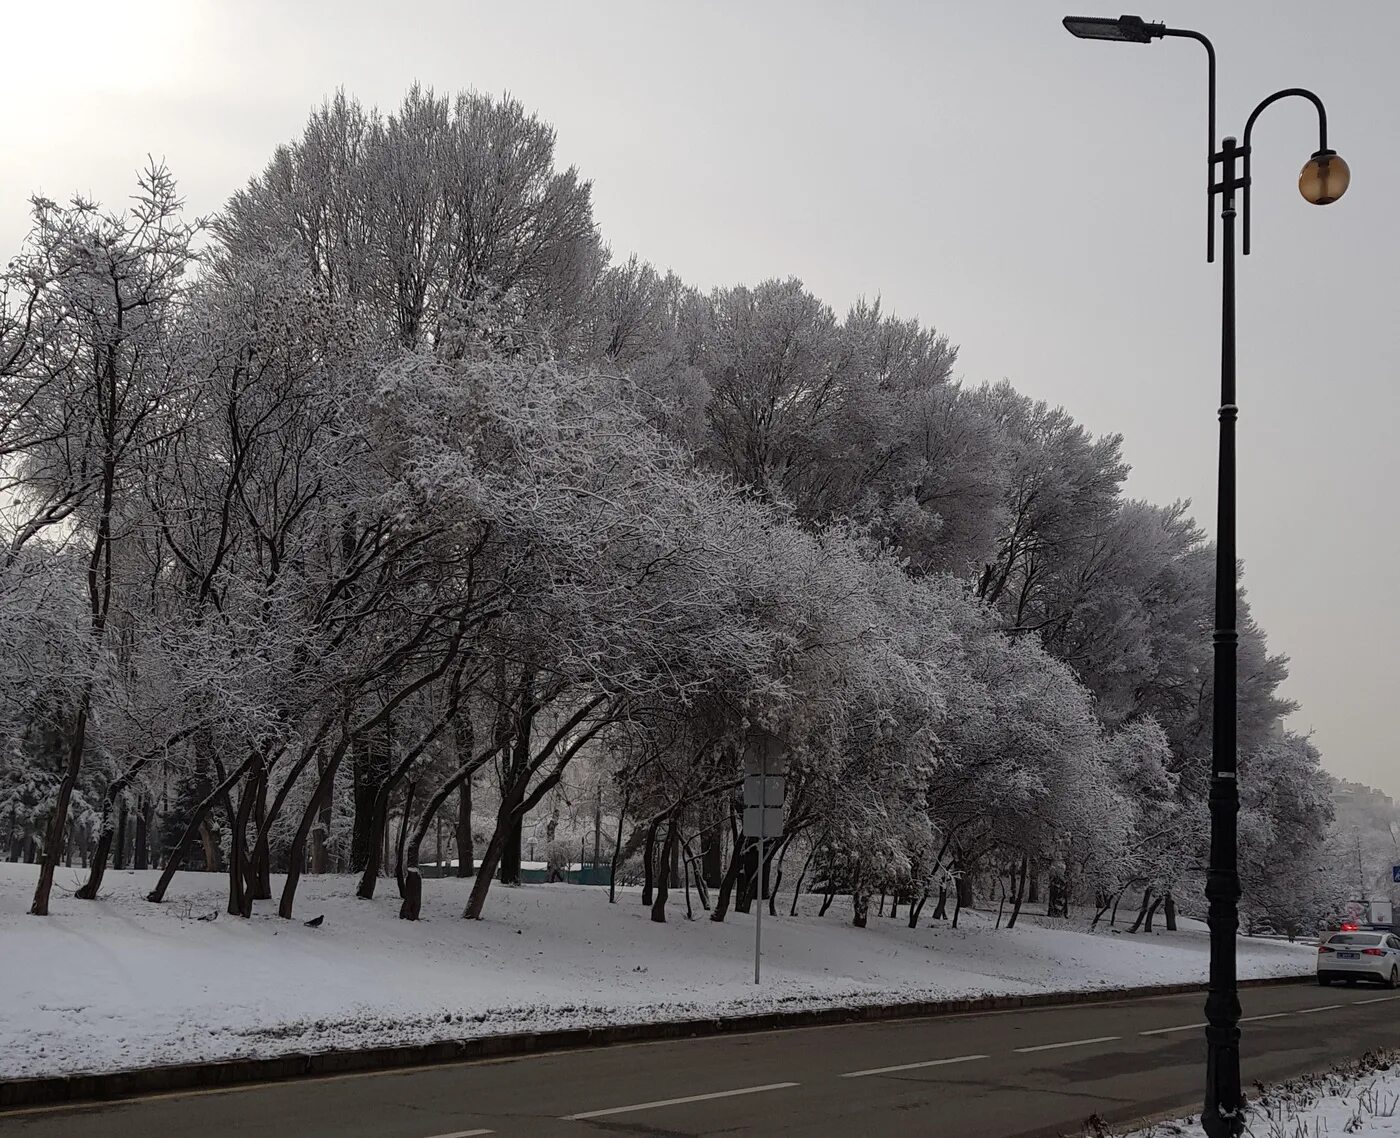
point(122, 983)
point(1359, 1097)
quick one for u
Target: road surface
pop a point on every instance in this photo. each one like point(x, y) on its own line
point(1027, 1073)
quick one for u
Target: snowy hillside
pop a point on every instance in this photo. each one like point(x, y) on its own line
point(121, 982)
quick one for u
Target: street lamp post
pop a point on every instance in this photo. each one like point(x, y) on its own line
point(1323, 180)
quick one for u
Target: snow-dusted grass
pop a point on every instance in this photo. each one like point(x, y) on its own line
point(121, 983)
point(1358, 1097)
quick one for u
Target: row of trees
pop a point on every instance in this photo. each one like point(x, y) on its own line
point(388, 484)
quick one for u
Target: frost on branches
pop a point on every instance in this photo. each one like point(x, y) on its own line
point(387, 524)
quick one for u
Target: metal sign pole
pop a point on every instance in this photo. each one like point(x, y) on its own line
point(758, 884)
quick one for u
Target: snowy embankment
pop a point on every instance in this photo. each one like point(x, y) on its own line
point(120, 983)
point(1361, 1096)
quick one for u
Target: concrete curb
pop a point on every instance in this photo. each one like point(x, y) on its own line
point(105, 1087)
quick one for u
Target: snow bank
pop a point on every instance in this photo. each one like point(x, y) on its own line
point(1358, 1097)
point(121, 983)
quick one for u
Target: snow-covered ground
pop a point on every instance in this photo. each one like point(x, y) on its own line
point(1359, 1097)
point(121, 983)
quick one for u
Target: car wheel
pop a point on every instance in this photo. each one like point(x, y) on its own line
point(1394, 981)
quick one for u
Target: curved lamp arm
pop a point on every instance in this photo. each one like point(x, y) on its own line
point(1185, 33)
point(1287, 92)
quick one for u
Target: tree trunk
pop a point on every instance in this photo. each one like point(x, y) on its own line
point(260, 869)
point(1020, 894)
point(801, 877)
point(1057, 897)
point(409, 791)
point(296, 852)
point(663, 888)
point(617, 848)
point(1142, 911)
point(240, 895)
point(649, 861)
point(940, 911)
point(726, 885)
point(1147, 926)
point(712, 855)
point(145, 815)
point(53, 834)
point(916, 908)
point(1169, 911)
point(1033, 896)
point(119, 853)
point(829, 897)
point(369, 765)
point(860, 906)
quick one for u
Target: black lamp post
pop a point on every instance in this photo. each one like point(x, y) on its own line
point(1323, 180)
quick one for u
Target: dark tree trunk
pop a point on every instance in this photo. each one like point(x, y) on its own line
point(138, 859)
point(617, 848)
point(712, 855)
point(964, 882)
point(466, 855)
point(649, 861)
point(801, 877)
point(1020, 894)
point(663, 888)
point(1057, 898)
point(370, 763)
point(957, 904)
point(1169, 911)
point(145, 856)
point(1142, 911)
point(860, 907)
point(240, 895)
point(829, 897)
point(409, 791)
point(1151, 912)
point(1033, 893)
point(119, 849)
point(58, 820)
point(260, 875)
point(916, 909)
point(940, 910)
point(726, 885)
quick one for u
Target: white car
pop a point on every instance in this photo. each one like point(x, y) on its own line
point(1359, 955)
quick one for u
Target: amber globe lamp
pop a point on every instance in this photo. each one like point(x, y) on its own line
point(1325, 178)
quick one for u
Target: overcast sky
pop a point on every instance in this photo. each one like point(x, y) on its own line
point(1037, 198)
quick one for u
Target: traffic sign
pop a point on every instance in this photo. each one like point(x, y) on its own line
point(760, 791)
point(763, 822)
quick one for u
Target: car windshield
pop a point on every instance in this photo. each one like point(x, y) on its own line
point(1354, 938)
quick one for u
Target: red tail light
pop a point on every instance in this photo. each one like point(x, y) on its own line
point(1324, 948)
point(1349, 928)
point(1374, 951)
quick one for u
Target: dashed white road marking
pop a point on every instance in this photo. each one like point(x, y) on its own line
point(676, 1101)
point(1069, 1043)
point(1271, 1015)
point(1377, 1000)
point(1169, 1030)
point(912, 1066)
point(1324, 1008)
point(464, 1134)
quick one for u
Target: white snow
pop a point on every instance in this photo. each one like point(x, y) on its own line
point(120, 983)
point(1360, 1097)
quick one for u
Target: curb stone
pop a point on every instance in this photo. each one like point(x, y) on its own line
point(108, 1086)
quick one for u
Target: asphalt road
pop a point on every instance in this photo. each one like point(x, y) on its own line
point(1028, 1074)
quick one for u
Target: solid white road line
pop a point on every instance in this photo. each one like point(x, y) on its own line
point(676, 1101)
point(1169, 1030)
point(1324, 1008)
point(1070, 1043)
point(1271, 1015)
point(1377, 1000)
point(912, 1066)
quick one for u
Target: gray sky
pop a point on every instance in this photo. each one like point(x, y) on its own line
point(1035, 197)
